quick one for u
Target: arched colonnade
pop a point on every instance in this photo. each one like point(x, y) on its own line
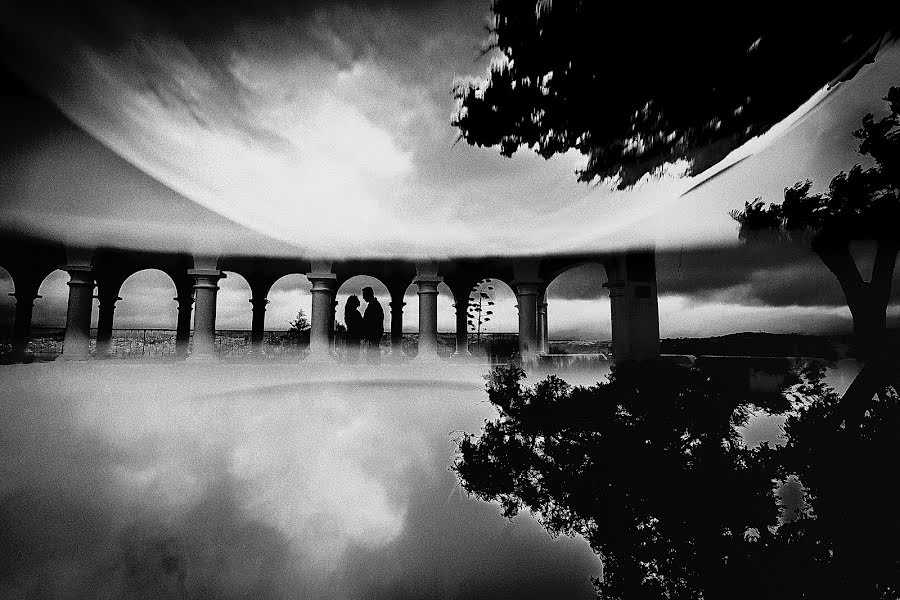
point(631, 283)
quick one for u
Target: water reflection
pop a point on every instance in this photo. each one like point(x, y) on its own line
point(265, 481)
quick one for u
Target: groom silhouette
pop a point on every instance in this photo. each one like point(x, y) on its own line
point(373, 325)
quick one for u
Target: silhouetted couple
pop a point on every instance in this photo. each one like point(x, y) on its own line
point(368, 326)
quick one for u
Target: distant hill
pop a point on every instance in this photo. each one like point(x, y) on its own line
point(830, 347)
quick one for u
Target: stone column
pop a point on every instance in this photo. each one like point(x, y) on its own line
point(543, 328)
point(397, 305)
point(258, 325)
point(428, 293)
point(462, 328)
point(206, 285)
point(332, 318)
point(108, 299)
point(185, 302)
point(526, 295)
point(22, 327)
point(77, 344)
point(323, 288)
point(633, 305)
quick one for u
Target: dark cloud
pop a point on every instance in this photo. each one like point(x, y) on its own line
point(756, 274)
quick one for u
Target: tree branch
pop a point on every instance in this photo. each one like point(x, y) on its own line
point(839, 261)
point(883, 268)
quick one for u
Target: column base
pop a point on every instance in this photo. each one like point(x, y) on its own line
point(427, 358)
point(202, 359)
point(320, 359)
point(72, 357)
point(10, 358)
point(396, 356)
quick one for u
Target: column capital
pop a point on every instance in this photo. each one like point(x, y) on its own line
point(616, 288)
point(527, 287)
point(79, 274)
point(70, 268)
point(426, 268)
point(259, 303)
point(206, 273)
point(23, 296)
point(206, 278)
point(428, 283)
point(322, 282)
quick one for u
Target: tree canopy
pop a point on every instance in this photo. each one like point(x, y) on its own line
point(634, 93)
point(861, 204)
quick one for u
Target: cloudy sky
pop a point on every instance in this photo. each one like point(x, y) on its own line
point(326, 125)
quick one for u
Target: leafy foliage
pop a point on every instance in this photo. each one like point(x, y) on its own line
point(649, 467)
point(634, 93)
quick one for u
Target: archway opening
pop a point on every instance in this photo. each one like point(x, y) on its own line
point(492, 320)
point(234, 315)
point(288, 297)
point(233, 308)
point(354, 287)
point(146, 317)
point(48, 320)
point(578, 312)
point(288, 316)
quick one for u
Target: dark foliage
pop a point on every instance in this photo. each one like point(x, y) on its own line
point(649, 467)
point(843, 541)
point(633, 92)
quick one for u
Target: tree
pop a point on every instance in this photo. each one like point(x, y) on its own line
point(862, 204)
point(478, 312)
point(298, 332)
point(634, 94)
point(650, 469)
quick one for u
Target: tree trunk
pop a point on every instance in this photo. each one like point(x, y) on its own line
point(868, 304)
